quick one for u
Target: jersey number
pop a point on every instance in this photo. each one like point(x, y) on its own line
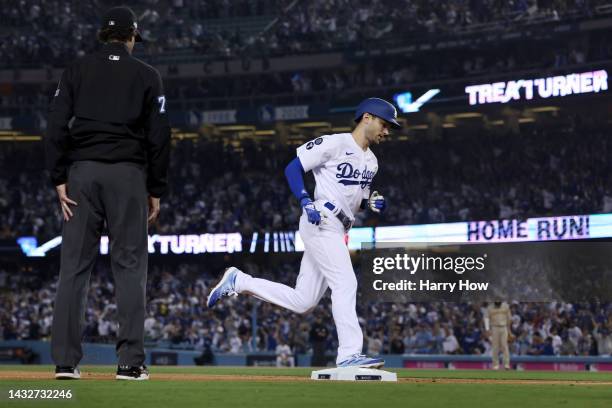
point(162, 104)
point(311, 144)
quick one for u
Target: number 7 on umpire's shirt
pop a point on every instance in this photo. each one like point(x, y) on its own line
point(108, 144)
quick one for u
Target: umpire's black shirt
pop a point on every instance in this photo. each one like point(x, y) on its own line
point(119, 111)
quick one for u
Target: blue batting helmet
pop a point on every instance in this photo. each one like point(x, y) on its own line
point(378, 107)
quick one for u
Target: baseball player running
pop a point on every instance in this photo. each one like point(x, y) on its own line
point(343, 167)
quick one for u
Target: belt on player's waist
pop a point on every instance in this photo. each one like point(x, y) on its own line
point(347, 223)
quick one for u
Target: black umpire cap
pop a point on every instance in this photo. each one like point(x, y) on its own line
point(121, 17)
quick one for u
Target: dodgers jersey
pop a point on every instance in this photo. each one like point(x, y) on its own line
point(343, 172)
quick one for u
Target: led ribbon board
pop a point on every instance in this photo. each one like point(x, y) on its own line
point(503, 230)
point(528, 89)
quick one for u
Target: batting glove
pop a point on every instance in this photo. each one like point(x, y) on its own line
point(314, 216)
point(377, 202)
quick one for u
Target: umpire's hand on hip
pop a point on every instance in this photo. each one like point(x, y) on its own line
point(65, 201)
point(314, 216)
point(153, 209)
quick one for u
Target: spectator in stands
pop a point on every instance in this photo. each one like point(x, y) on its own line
point(284, 355)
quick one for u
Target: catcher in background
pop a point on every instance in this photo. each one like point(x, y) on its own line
point(497, 322)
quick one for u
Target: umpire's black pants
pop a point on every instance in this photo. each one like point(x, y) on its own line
point(115, 192)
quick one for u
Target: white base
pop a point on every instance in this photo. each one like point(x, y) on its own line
point(353, 374)
point(143, 377)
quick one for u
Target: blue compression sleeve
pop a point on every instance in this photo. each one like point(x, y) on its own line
point(293, 172)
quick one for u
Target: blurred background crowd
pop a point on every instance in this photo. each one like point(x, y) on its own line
point(528, 164)
point(338, 83)
point(51, 32)
point(218, 187)
point(178, 317)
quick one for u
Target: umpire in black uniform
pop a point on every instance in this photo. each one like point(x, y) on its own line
point(107, 148)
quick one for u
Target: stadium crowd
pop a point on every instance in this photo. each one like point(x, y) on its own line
point(319, 25)
point(178, 317)
point(341, 85)
point(387, 74)
point(222, 186)
point(51, 32)
point(316, 85)
point(219, 187)
point(58, 32)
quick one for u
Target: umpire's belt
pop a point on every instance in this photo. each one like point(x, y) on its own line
point(347, 223)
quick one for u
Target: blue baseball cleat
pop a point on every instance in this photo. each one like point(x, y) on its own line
point(363, 361)
point(225, 287)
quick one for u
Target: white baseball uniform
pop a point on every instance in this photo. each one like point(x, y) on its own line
point(343, 174)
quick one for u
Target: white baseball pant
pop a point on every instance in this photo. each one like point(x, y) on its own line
point(326, 263)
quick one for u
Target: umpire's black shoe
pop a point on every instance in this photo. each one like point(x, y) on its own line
point(67, 373)
point(125, 372)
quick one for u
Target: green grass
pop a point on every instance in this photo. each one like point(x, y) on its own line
point(182, 394)
point(420, 373)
